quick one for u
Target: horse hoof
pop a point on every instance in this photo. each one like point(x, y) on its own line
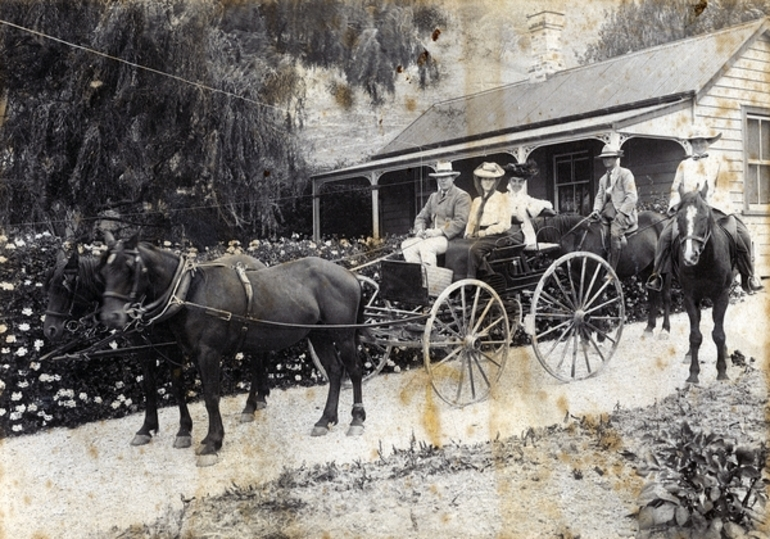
point(182, 442)
point(204, 461)
point(355, 430)
point(319, 431)
point(247, 418)
point(141, 439)
point(722, 376)
point(692, 380)
point(261, 405)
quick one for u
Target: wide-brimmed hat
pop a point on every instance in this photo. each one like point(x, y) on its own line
point(610, 150)
point(700, 132)
point(444, 170)
point(522, 170)
point(489, 170)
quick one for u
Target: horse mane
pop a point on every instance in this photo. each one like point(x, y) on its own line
point(89, 275)
point(554, 228)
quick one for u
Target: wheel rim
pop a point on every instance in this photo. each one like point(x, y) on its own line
point(577, 316)
point(466, 342)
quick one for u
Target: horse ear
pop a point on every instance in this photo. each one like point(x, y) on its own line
point(72, 263)
point(704, 191)
point(109, 239)
point(132, 242)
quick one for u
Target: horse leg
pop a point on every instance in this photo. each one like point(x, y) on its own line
point(259, 390)
point(653, 305)
point(346, 345)
point(144, 435)
point(209, 368)
point(324, 348)
point(183, 437)
point(718, 334)
point(666, 300)
point(696, 338)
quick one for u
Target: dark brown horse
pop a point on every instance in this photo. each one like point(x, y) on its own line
point(576, 233)
point(214, 310)
point(702, 259)
point(74, 288)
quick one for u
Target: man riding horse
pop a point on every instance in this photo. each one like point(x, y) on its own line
point(615, 201)
point(692, 174)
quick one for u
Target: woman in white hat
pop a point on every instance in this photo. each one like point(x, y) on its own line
point(488, 221)
point(615, 200)
point(524, 207)
point(693, 173)
point(443, 218)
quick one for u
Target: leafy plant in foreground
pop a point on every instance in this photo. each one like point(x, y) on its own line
point(704, 485)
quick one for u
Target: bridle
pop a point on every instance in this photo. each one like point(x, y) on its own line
point(132, 300)
point(702, 240)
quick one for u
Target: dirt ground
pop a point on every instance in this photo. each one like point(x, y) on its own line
point(89, 482)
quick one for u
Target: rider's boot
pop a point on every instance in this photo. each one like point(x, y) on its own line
point(616, 244)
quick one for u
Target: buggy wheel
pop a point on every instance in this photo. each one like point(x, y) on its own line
point(466, 342)
point(371, 350)
point(576, 317)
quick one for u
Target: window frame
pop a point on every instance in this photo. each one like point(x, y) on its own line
point(588, 182)
point(763, 115)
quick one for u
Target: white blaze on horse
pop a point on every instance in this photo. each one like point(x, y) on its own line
point(215, 310)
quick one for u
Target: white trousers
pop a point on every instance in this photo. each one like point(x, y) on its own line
point(424, 251)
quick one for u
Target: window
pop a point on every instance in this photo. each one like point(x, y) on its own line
point(757, 161)
point(572, 182)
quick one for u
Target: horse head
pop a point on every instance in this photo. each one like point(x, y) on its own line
point(695, 223)
point(125, 282)
point(61, 288)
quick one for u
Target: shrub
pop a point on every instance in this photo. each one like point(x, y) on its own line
point(704, 485)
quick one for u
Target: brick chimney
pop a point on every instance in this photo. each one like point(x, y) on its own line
point(545, 30)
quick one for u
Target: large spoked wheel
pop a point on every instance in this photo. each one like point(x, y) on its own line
point(466, 342)
point(577, 316)
point(372, 351)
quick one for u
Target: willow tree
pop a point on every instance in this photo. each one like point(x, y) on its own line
point(639, 24)
point(170, 112)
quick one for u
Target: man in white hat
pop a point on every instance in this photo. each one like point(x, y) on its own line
point(615, 200)
point(696, 170)
point(442, 218)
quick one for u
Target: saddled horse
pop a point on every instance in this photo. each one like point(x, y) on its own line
point(215, 309)
point(702, 259)
point(576, 233)
point(74, 288)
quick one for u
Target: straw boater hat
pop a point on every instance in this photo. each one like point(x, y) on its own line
point(489, 170)
point(610, 150)
point(444, 170)
point(699, 132)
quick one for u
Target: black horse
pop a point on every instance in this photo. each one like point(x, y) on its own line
point(702, 260)
point(216, 309)
point(576, 233)
point(74, 288)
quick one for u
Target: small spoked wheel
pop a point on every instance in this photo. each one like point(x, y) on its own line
point(466, 342)
point(576, 317)
point(372, 350)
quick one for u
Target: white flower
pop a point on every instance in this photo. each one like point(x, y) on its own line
point(19, 242)
point(35, 366)
point(24, 327)
point(98, 400)
point(128, 402)
point(83, 396)
point(115, 405)
point(15, 416)
point(22, 384)
point(21, 352)
point(38, 344)
point(162, 391)
point(3, 260)
point(119, 384)
point(32, 407)
point(121, 397)
point(16, 396)
point(3, 328)
point(3, 238)
point(2, 412)
point(239, 356)
point(5, 350)
point(27, 282)
point(26, 311)
point(140, 378)
point(21, 408)
point(17, 428)
point(10, 246)
point(298, 377)
point(10, 339)
point(69, 403)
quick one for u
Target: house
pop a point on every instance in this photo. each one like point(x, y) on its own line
point(561, 119)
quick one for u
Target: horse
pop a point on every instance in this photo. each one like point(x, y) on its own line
point(702, 260)
point(576, 233)
point(74, 288)
point(216, 309)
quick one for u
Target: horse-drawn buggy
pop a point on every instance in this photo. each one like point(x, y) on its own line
point(570, 307)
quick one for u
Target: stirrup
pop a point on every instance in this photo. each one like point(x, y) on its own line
point(655, 282)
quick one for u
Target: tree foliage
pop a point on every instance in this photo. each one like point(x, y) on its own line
point(639, 24)
point(177, 114)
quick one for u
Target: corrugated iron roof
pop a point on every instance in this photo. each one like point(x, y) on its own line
point(657, 74)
